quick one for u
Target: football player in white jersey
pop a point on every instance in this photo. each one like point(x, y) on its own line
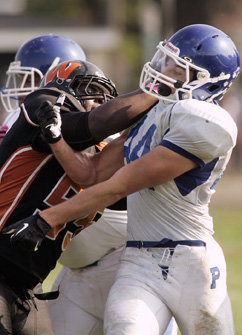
point(89, 264)
point(167, 165)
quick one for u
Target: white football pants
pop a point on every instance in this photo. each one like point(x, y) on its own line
point(151, 285)
point(79, 309)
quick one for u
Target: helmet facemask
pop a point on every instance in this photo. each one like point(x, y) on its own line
point(91, 87)
point(20, 82)
point(182, 84)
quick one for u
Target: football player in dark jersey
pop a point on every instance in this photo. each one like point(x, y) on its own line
point(32, 60)
point(33, 180)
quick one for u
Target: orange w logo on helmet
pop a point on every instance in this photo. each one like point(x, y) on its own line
point(62, 71)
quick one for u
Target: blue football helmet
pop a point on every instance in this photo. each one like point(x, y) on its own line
point(205, 58)
point(32, 61)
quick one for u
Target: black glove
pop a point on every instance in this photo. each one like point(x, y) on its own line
point(28, 233)
point(49, 118)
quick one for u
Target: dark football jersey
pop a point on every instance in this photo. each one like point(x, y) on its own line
point(31, 179)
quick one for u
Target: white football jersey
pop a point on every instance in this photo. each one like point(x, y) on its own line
point(97, 240)
point(178, 209)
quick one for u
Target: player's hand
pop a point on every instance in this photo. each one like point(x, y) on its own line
point(49, 118)
point(3, 131)
point(28, 233)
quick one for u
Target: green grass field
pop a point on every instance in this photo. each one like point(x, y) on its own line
point(226, 209)
point(228, 232)
point(227, 213)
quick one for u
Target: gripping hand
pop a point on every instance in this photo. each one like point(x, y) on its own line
point(49, 118)
point(28, 233)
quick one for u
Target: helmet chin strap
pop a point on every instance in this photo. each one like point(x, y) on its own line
point(165, 91)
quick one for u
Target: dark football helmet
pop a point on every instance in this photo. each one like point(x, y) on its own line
point(32, 61)
point(82, 79)
point(208, 58)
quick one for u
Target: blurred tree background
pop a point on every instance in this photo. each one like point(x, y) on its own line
point(140, 24)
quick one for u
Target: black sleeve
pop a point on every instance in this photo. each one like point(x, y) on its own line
point(75, 130)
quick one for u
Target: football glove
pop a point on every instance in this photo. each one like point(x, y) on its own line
point(49, 118)
point(28, 233)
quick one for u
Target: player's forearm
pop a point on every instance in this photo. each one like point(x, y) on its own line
point(125, 181)
point(90, 200)
point(87, 169)
point(119, 113)
point(78, 166)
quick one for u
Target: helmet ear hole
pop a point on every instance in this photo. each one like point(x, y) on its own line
point(199, 47)
point(213, 88)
